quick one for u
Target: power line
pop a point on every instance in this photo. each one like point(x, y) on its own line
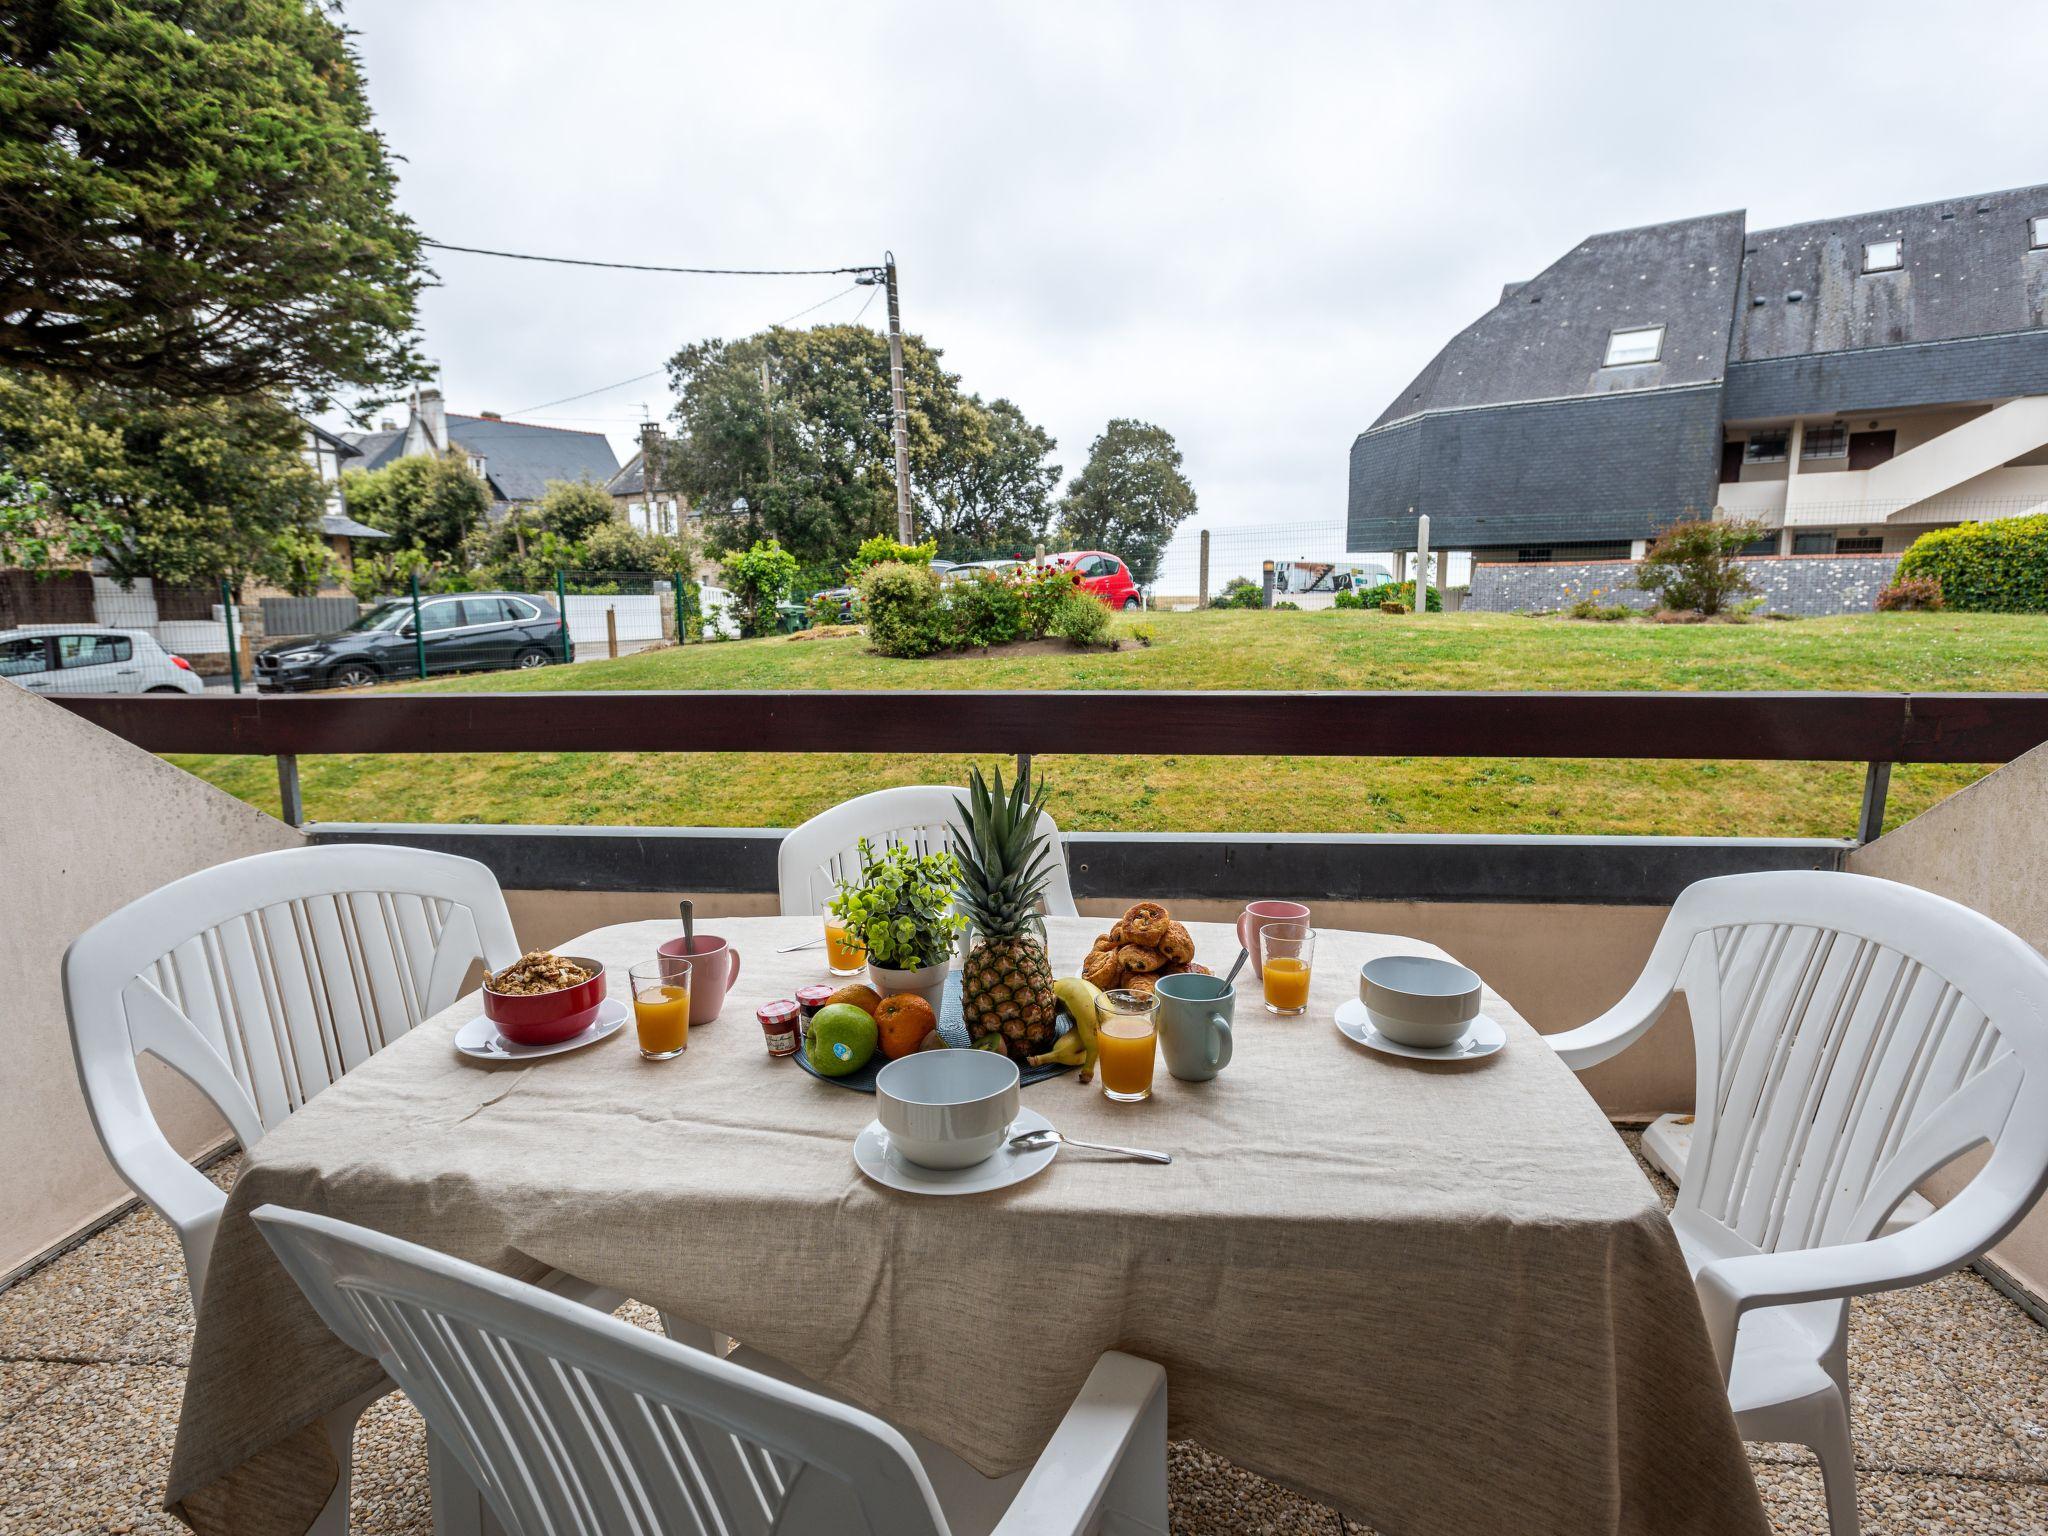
point(601, 389)
point(842, 293)
point(639, 266)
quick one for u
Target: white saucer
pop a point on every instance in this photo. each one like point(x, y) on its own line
point(480, 1037)
point(871, 1150)
point(1482, 1037)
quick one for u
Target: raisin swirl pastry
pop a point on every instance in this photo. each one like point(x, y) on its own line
point(1145, 924)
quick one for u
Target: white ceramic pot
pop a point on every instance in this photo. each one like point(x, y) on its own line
point(928, 982)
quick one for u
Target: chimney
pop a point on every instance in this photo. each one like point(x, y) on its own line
point(490, 416)
point(386, 424)
point(431, 418)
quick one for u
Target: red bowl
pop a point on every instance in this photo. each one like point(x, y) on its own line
point(547, 1018)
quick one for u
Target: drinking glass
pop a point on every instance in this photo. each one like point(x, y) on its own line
point(1286, 953)
point(1126, 1037)
point(843, 957)
point(661, 1006)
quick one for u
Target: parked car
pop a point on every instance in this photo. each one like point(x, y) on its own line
point(89, 658)
point(968, 570)
point(465, 632)
point(1103, 575)
point(844, 603)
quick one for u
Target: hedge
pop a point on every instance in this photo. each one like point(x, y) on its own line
point(1995, 567)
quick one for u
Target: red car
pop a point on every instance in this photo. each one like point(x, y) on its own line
point(1103, 575)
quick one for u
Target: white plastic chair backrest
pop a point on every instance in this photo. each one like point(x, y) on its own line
point(825, 849)
point(262, 981)
point(1852, 1035)
point(569, 1420)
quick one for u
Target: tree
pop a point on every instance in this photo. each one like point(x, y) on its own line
point(1130, 497)
point(179, 491)
point(573, 508)
point(1692, 566)
point(811, 454)
point(1001, 499)
point(424, 502)
point(758, 579)
point(194, 202)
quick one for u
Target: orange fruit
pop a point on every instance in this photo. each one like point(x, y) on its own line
point(905, 1019)
point(866, 999)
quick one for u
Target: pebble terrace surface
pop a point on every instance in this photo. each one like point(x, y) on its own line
point(1951, 1384)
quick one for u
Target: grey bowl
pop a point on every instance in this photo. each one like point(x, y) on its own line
point(1419, 1001)
point(947, 1109)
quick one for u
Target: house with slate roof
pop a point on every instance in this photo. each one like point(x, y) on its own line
point(1849, 383)
point(516, 458)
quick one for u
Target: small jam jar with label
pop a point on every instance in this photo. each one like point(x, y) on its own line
point(779, 1024)
point(808, 1001)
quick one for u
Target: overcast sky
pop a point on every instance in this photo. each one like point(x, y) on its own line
point(1250, 224)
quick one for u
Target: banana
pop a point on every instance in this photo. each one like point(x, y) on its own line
point(1067, 1051)
point(1079, 997)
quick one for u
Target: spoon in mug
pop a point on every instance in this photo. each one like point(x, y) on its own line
point(1039, 1140)
point(1242, 956)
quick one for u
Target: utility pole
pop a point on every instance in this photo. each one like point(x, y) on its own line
point(768, 416)
point(899, 408)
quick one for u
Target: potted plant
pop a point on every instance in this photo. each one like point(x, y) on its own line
point(900, 910)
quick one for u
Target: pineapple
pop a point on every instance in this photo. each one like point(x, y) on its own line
point(1006, 980)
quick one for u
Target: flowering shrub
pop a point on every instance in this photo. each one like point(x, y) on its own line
point(1692, 565)
point(1911, 594)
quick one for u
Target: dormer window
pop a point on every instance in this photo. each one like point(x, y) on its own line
point(1625, 349)
point(1884, 255)
point(2037, 232)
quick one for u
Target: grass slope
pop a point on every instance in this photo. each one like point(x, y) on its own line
point(1155, 790)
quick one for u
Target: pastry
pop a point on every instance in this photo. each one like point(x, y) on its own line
point(1136, 957)
point(1146, 924)
point(1177, 944)
point(1103, 968)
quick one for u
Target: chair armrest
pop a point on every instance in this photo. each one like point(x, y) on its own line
point(1954, 1235)
point(1618, 1028)
point(1066, 1486)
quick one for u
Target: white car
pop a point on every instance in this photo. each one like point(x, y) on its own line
point(87, 658)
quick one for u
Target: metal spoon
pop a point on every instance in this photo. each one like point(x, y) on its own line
point(790, 949)
point(1242, 956)
point(1037, 1141)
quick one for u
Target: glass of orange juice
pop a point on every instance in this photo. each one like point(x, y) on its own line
point(843, 956)
point(661, 1006)
point(1286, 953)
point(1126, 1037)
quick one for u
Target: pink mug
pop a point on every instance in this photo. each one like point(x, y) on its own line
point(714, 967)
point(1253, 921)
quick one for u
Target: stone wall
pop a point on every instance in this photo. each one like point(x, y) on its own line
point(1809, 585)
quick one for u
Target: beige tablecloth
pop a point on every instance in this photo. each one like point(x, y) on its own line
point(1440, 1298)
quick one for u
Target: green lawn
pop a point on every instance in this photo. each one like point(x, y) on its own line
point(1158, 792)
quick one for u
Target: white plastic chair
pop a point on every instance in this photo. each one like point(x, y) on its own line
point(574, 1422)
point(1852, 1035)
point(262, 981)
point(825, 849)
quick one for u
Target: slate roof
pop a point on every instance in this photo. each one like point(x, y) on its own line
point(1547, 338)
point(631, 480)
point(336, 525)
point(1967, 272)
point(520, 458)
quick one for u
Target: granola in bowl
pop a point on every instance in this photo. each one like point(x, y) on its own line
point(537, 971)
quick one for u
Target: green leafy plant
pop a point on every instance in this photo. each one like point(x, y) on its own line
point(1995, 567)
point(902, 609)
point(1347, 599)
point(1043, 589)
point(985, 610)
point(1144, 634)
point(1080, 620)
point(1287, 605)
point(1693, 567)
point(1239, 593)
point(1402, 592)
point(1602, 613)
point(882, 549)
point(758, 579)
point(1912, 594)
point(900, 908)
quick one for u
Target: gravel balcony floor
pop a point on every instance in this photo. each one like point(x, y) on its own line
point(1951, 1384)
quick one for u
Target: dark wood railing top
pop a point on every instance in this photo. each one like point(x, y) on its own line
point(1790, 727)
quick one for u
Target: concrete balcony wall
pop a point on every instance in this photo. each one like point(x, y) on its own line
point(1978, 446)
point(91, 823)
point(1760, 499)
point(1986, 847)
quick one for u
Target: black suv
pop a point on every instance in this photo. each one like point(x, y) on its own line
point(463, 632)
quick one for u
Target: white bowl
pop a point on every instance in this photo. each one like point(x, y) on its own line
point(947, 1109)
point(1415, 1000)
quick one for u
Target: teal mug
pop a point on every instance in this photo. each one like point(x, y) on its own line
point(1194, 1024)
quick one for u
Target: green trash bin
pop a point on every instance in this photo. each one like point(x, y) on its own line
point(791, 617)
